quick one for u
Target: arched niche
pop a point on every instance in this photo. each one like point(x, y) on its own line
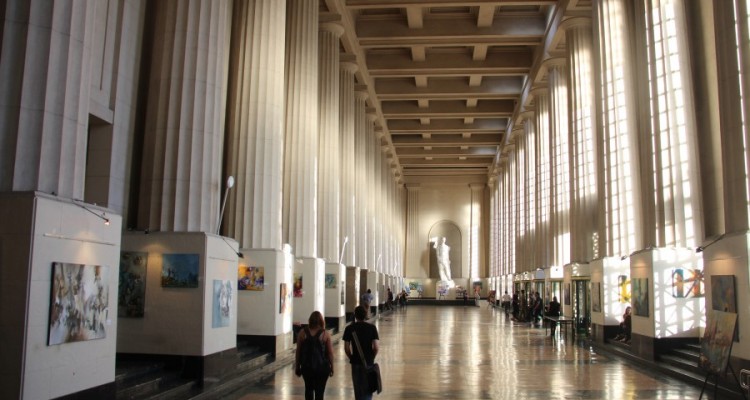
point(452, 234)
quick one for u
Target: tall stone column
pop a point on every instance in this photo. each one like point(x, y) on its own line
point(360, 139)
point(475, 231)
point(329, 150)
point(255, 129)
point(583, 172)
point(184, 133)
point(559, 232)
point(348, 68)
point(43, 111)
point(301, 128)
point(369, 200)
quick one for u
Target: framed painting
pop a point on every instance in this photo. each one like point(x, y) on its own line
point(283, 293)
point(180, 270)
point(330, 281)
point(297, 287)
point(640, 297)
point(222, 303)
point(566, 294)
point(250, 278)
point(131, 295)
point(596, 296)
point(723, 295)
point(79, 303)
point(623, 289)
point(717, 341)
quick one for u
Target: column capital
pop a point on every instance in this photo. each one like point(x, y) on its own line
point(477, 186)
point(331, 22)
point(361, 92)
point(348, 62)
point(575, 23)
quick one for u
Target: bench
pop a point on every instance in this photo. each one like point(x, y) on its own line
point(562, 322)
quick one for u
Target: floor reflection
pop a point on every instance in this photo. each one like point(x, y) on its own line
point(431, 352)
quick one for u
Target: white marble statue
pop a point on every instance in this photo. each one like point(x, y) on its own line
point(443, 259)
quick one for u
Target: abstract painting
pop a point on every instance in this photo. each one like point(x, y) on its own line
point(566, 294)
point(250, 278)
point(413, 285)
point(717, 341)
point(596, 297)
point(222, 303)
point(180, 270)
point(640, 297)
point(442, 288)
point(297, 288)
point(283, 292)
point(623, 287)
point(79, 304)
point(131, 298)
point(723, 296)
point(330, 281)
point(687, 283)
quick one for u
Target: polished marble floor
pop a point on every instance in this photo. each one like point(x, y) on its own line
point(429, 352)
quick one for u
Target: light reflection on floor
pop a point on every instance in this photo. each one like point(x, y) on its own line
point(476, 353)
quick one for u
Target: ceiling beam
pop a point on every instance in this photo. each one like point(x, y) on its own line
point(447, 109)
point(500, 87)
point(447, 162)
point(359, 4)
point(482, 125)
point(450, 141)
point(441, 30)
point(479, 151)
point(497, 63)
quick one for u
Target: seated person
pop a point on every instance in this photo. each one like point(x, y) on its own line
point(625, 327)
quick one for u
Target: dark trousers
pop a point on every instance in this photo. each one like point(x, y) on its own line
point(314, 387)
point(359, 381)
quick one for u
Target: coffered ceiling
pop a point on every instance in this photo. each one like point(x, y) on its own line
point(444, 77)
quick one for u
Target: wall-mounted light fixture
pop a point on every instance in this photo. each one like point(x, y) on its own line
point(230, 184)
point(103, 215)
point(343, 248)
point(702, 247)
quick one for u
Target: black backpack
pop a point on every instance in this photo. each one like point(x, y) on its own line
point(314, 361)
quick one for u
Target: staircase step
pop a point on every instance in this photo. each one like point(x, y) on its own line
point(687, 354)
point(254, 362)
point(139, 390)
point(681, 363)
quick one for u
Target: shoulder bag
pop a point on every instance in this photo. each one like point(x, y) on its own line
point(373, 371)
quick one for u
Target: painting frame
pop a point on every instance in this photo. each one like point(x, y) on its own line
point(330, 281)
point(640, 296)
point(131, 293)
point(596, 297)
point(718, 338)
point(222, 303)
point(180, 270)
point(79, 303)
point(251, 278)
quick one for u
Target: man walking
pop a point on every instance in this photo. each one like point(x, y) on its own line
point(367, 336)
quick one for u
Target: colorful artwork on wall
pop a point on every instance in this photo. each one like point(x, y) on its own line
point(250, 278)
point(330, 281)
point(717, 341)
point(596, 296)
point(687, 283)
point(476, 287)
point(298, 289)
point(222, 303)
point(723, 295)
point(442, 288)
point(623, 289)
point(180, 270)
point(413, 285)
point(283, 293)
point(79, 303)
point(640, 297)
point(131, 297)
